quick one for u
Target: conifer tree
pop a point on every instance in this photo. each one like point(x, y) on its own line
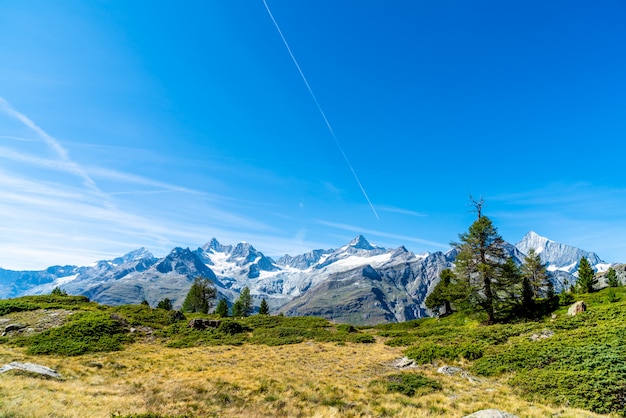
point(200, 296)
point(222, 308)
point(586, 276)
point(243, 304)
point(536, 272)
point(165, 304)
point(264, 309)
point(482, 277)
point(611, 277)
point(441, 296)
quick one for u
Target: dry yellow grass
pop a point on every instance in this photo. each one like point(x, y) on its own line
point(307, 380)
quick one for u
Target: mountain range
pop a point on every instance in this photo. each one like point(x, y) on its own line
point(358, 283)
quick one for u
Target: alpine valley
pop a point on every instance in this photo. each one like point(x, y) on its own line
point(358, 283)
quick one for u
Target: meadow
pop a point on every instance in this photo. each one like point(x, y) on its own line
point(264, 366)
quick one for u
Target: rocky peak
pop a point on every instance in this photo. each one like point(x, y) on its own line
point(559, 256)
point(135, 255)
point(361, 243)
point(215, 245)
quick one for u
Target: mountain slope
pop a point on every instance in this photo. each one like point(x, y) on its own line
point(358, 282)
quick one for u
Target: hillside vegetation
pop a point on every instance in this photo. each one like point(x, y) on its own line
point(138, 361)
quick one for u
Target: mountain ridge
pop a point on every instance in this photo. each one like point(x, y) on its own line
point(358, 282)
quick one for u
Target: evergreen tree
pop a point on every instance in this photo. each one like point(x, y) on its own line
point(165, 304)
point(200, 296)
point(57, 291)
point(481, 273)
point(145, 303)
point(264, 309)
point(243, 304)
point(536, 272)
point(586, 276)
point(441, 294)
point(222, 308)
point(611, 277)
point(238, 310)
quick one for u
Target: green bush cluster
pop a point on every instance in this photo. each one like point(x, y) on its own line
point(86, 332)
point(144, 315)
point(409, 384)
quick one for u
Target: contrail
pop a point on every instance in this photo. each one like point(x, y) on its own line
point(55, 145)
point(330, 128)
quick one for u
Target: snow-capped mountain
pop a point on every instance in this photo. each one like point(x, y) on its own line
point(358, 283)
point(558, 256)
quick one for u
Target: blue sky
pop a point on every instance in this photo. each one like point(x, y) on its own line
point(162, 124)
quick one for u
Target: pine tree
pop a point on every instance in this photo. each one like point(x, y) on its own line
point(481, 282)
point(222, 308)
point(264, 309)
point(200, 296)
point(243, 304)
point(165, 304)
point(611, 277)
point(586, 276)
point(238, 310)
point(441, 294)
point(536, 272)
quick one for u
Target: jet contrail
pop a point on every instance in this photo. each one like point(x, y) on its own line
point(330, 128)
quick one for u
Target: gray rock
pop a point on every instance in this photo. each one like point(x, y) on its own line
point(31, 368)
point(450, 370)
point(491, 413)
point(546, 333)
point(578, 307)
point(404, 363)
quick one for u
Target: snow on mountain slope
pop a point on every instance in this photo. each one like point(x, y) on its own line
point(558, 256)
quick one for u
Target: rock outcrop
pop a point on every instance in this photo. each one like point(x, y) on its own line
point(578, 307)
point(31, 368)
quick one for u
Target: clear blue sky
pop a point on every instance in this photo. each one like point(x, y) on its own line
point(159, 124)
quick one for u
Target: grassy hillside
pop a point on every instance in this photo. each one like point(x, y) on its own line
point(279, 366)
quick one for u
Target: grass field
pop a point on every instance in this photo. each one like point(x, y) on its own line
point(305, 379)
point(303, 367)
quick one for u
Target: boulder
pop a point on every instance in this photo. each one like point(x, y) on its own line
point(12, 327)
point(404, 363)
point(546, 333)
point(578, 307)
point(450, 370)
point(490, 413)
point(31, 368)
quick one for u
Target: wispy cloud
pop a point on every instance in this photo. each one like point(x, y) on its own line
point(392, 209)
point(52, 143)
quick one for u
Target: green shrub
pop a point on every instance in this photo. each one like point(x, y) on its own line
point(402, 341)
point(361, 338)
point(347, 328)
point(87, 332)
point(428, 352)
point(566, 298)
point(410, 384)
point(232, 327)
point(146, 316)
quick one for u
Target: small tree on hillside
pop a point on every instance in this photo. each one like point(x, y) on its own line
point(57, 291)
point(586, 276)
point(222, 308)
point(200, 296)
point(441, 296)
point(165, 304)
point(536, 273)
point(264, 308)
point(611, 277)
point(481, 274)
point(243, 304)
